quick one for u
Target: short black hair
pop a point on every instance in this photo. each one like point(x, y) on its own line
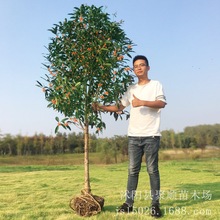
point(140, 57)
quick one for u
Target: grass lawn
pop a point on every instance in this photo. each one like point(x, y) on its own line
point(190, 189)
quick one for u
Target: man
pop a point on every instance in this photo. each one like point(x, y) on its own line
point(146, 99)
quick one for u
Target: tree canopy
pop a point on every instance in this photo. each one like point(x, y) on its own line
point(87, 62)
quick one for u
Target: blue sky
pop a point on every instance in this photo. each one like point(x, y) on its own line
point(179, 37)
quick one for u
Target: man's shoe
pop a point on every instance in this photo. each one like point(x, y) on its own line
point(155, 211)
point(125, 208)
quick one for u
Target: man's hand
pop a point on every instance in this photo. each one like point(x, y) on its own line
point(108, 108)
point(136, 102)
point(95, 106)
point(151, 104)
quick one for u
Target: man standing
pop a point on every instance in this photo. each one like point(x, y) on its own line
point(146, 99)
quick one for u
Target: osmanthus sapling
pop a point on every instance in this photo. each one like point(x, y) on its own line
point(87, 62)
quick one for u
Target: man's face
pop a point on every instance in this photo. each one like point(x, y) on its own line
point(140, 67)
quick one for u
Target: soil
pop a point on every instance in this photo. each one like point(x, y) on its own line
point(87, 204)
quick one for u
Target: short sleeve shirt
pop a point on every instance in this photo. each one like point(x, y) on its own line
point(144, 121)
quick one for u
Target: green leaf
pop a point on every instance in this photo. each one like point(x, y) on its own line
point(56, 129)
point(68, 127)
point(39, 84)
point(50, 105)
point(45, 65)
point(53, 30)
point(107, 64)
point(57, 119)
point(63, 120)
point(104, 49)
point(115, 116)
point(63, 126)
point(78, 84)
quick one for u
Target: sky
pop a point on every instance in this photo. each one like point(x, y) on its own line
point(181, 39)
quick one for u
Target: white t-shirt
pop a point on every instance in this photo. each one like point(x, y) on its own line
point(144, 121)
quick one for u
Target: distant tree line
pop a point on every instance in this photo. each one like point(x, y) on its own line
point(192, 137)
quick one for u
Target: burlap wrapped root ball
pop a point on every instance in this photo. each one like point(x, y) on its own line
point(87, 204)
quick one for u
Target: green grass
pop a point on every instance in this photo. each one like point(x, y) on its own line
point(43, 192)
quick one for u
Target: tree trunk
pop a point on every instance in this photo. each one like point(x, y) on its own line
point(86, 159)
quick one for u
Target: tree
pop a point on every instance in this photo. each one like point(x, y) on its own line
point(8, 145)
point(87, 62)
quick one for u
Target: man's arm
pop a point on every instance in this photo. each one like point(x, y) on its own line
point(108, 108)
point(152, 104)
